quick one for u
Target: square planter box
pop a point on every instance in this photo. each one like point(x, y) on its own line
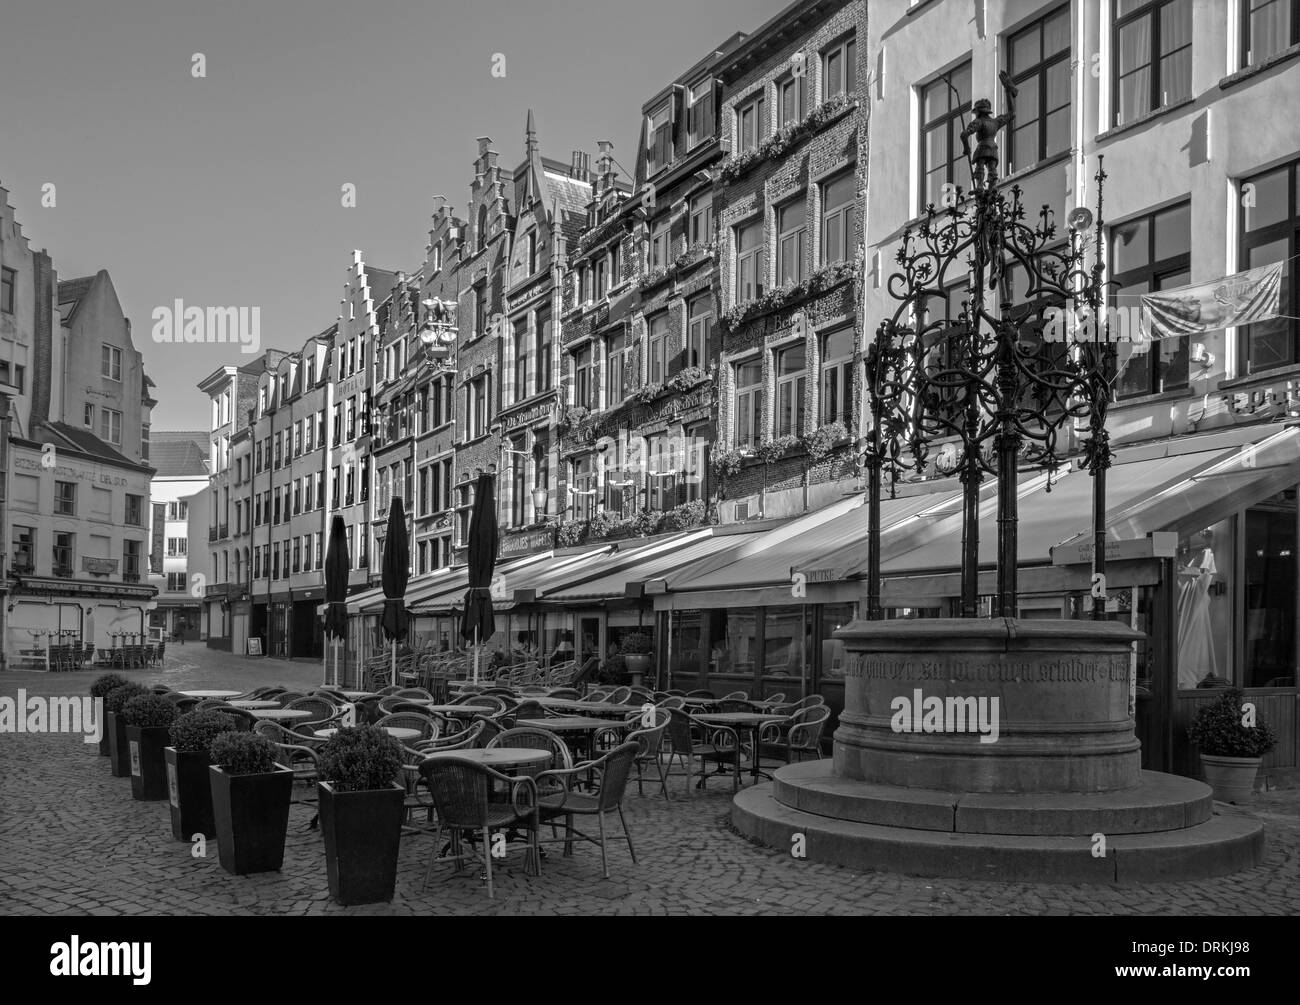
point(189, 793)
point(251, 813)
point(148, 768)
point(119, 753)
point(362, 832)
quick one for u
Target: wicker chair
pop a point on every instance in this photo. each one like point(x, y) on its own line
point(563, 692)
point(488, 728)
point(323, 711)
point(776, 699)
point(650, 741)
point(244, 721)
point(736, 695)
point(737, 705)
point(175, 697)
point(700, 694)
point(612, 771)
point(673, 701)
point(414, 692)
point(491, 702)
point(426, 724)
point(297, 756)
point(691, 738)
point(462, 794)
point(801, 735)
point(285, 697)
point(619, 696)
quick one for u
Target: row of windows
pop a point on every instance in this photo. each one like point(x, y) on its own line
point(65, 504)
point(789, 96)
point(64, 551)
point(657, 473)
point(791, 375)
point(1151, 68)
point(109, 425)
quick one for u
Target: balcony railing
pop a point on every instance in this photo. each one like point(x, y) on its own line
point(224, 531)
point(63, 571)
point(130, 577)
point(212, 533)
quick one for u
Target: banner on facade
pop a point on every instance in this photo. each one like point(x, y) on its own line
point(156, 543)
point(1243, 298)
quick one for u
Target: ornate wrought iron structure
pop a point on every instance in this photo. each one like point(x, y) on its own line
point(997, 381)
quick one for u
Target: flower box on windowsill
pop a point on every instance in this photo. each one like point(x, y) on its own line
point(785, 140)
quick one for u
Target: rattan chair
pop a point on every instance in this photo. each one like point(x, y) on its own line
point(691, 738)
point(324, 713)
point(792, 740)
point(284, 697)
point(736, 705)
point(461, 791)
point(563, 800)
point(426, 724)
point(673, 701)
point(700, 694)
point(619, 696)
point(414, 692)
point(488, 728)
point(650, 741)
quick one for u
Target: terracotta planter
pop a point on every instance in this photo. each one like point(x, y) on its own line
point(148, 765)
point(251, 813)
point(362, 832)
point(118, 752)
point(189, 793)
point(1232, 778)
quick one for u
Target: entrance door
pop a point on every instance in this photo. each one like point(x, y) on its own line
point(588, 638)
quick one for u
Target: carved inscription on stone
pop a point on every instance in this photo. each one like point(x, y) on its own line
point(1056, 669)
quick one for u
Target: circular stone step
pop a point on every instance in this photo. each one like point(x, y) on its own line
point(1160, 803)
point(1228, 842)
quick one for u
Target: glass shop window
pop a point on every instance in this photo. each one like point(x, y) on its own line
point(1270, 592)
point(1205, 599)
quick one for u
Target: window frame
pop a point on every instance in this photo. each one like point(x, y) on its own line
point(796, 384)
point(799, 235)
point(8, 289)
point(110, 362)
point(836, 371)
point(843, 213)
point(1244, 29)
point(1151, 273)
point(698, 342)
point(1036, 75)
point(657, 354)
point(753, 256)
point(1287, 229)
point(747, 400)
point(848, 83)
point(756, 106)
point(949, 120)
point(1152, 8)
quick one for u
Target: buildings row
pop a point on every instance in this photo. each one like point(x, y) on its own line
point(75, 468)
point(666, 370)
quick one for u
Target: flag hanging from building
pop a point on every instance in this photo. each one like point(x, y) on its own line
point(1243, 298)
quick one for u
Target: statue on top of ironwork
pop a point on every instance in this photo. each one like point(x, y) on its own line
point(985, 127)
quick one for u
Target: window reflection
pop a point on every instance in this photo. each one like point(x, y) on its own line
point(1205, 565)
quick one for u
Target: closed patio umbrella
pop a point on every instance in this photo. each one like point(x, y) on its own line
point(477, 622)
point(395, 571)
point(337, 563)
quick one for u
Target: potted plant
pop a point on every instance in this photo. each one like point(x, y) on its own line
point(361, 813)
point(103, 685)
point(636, 653)
point(1230, 750)
point(147, 717)
point(188, 787)
point(119, 753)
point(250, 802)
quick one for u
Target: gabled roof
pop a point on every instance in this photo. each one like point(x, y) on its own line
point(178, 458)
point(571, 198)
point(79, 439)
point(71, 292)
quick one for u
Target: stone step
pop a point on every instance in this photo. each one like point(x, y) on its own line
point(1231, 840)
point(1161, 803)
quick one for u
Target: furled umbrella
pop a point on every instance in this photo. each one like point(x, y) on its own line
point(337, 563)
point(477, 622)
point(395, 572)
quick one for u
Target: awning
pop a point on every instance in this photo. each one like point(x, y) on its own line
point(638, 579)
point(1146, 491)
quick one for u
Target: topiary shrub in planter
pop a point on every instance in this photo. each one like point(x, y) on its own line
point(147, 718)
point(613, 670)
point(118, 751)
point(250, 802)
point(102, 686)
point(1231, 749)
point(361, 812)
point(188, 787)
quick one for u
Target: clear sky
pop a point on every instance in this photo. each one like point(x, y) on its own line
point(225, 190)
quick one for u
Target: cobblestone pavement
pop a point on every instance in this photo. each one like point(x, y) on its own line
point(72, 841)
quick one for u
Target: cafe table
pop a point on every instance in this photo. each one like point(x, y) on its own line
point(396, 732)
point(212, 694)
point(280, 714)
point(460, 711)
point(585, 726)
point(500, 758)
point(251, 704)
point(753, 721)
point(577, 707)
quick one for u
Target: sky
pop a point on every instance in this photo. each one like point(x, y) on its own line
point(226, 190)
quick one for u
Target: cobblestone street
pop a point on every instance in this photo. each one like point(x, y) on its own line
point(73, 841)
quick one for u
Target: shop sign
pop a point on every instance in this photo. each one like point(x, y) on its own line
point(1159, 544)
point(64, 473)
point(98, 566)
point(1250, 401)
point(519, 544)
point(528, 416)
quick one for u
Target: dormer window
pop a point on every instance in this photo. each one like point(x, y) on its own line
point(700, 119)
point(532, 252)
point(659, 140)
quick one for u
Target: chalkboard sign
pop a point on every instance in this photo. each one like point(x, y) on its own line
point(255, 646)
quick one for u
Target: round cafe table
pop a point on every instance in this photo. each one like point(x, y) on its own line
point(583, 725)
point(500, 758)
point(277, 714)
point(212, 694)
point(753, 721)
point(396, 732)
point(250, 704)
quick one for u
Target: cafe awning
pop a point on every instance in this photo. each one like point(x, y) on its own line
point(633, 580)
